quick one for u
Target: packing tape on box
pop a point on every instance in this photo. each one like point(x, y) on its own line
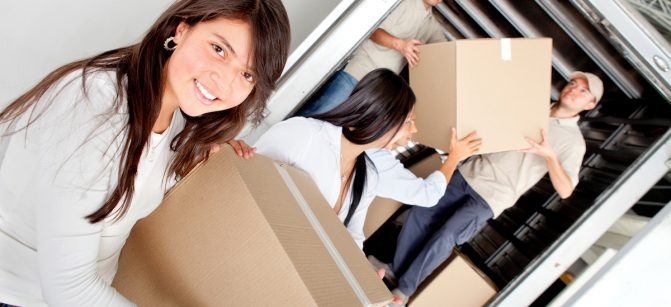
point(506, 49)
point(319, 229)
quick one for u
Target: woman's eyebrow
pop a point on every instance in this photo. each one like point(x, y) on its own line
point(226, 43)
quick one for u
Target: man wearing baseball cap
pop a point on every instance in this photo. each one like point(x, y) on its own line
point(487, 184)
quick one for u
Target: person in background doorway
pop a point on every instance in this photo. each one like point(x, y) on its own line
point(392, 46)
point(94, 146)
point(487, 184)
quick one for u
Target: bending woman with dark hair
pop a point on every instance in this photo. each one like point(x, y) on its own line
point(345, 150)
point(94, 146)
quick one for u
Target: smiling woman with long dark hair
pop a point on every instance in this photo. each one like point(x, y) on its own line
point(95, 145)
point(345, 150)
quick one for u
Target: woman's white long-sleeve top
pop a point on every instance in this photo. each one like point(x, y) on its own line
point(314, 147)
point(55, 173)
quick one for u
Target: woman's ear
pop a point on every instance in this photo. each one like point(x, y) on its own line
point(180, 31)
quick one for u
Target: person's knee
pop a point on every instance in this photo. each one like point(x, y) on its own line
point(443, 240)
point(469, 231)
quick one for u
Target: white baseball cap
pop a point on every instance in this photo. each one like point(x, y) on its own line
point(593, 82)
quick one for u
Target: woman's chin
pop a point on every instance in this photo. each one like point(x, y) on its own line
point(192, 112)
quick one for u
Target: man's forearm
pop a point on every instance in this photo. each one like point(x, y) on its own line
point(448, 168)
point(560, 180)
point(383, 38)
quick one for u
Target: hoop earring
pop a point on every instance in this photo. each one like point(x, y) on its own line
point(166, 44)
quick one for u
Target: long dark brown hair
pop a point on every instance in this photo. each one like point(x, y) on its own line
point(142, 67)
point(379, 103)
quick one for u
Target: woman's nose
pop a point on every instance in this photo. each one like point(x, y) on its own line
point(224, 78)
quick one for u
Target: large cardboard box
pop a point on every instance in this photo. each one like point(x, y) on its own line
point(240, 232)
point(457, 283)
point(499, 87)
point(381, 209)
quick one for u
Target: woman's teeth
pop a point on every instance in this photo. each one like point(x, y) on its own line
point(204, 91)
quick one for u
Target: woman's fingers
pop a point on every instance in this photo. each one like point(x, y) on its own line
point(249, 152)
point(242, 149)
point(236, 147)
point(380, 273)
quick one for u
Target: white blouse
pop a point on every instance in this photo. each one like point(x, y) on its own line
point(52, 175)
point(314, 147)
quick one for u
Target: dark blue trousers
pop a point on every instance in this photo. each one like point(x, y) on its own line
point(333, 93)
point(429, 234)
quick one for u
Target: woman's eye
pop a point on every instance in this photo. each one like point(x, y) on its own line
point(220, 51)
point(249, 77)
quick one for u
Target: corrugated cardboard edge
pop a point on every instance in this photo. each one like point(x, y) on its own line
point(321, 232)
point(376, 291)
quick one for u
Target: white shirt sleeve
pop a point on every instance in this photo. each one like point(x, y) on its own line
point(400, 184)
point(435, 33)
point(286, 141)
point(395, 17)
point(76, 166)
point(571, 160)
